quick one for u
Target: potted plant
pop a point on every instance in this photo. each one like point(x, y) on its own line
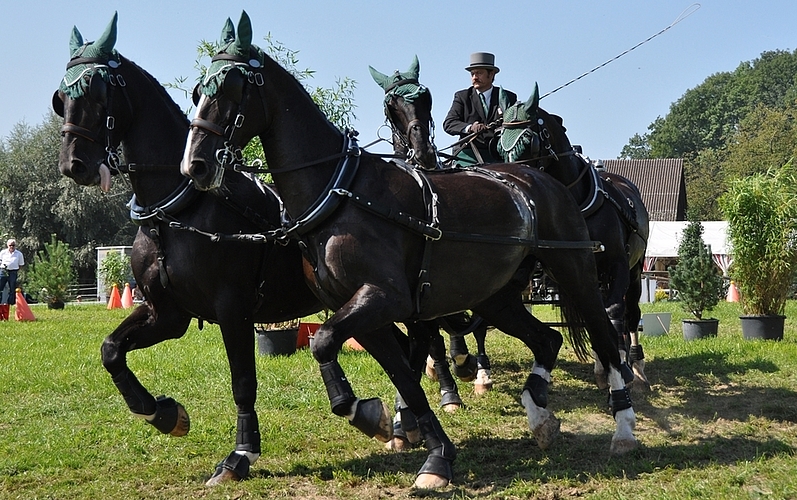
point(274, 339)
point(698, 283)
point(762, 223)
point(52, 273)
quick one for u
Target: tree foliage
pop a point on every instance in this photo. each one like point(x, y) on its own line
point(36, 201)
point(115, 270)
point(733, 124)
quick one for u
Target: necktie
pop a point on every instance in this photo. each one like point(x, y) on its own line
point(484, 105)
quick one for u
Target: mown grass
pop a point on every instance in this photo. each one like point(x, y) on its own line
point(719, 422)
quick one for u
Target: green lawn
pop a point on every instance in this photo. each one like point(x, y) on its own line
point(720, 421)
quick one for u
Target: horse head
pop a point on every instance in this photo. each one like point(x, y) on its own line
point(408, 108)
point(220, 128)
point(519, 140)
point(85, 101)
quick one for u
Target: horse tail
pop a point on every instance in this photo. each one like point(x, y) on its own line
point(570, 316)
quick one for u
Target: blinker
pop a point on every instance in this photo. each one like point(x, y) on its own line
point(58, 104)
point(98, 89)
point(233, 86)
point(196, 94)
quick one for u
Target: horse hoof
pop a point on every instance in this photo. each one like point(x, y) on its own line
point(398, 444)
point(622, 446)
point(430, 481)
point(183, 424)
point(372, 417)
point(482, 389)
point(223, 476)
point(547, 432)
point(430, 371)
point(483, 382)
point(602, 381)
point(451, 407)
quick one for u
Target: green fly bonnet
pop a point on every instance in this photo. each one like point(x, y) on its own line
point(404, 85)
point(89, 59)
point(237, 53)
point(517, 140)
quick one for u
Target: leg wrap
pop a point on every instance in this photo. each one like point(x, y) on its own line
point(369, 419)
point(467, 370)
point(482, 362)
point(458, 346)
point(247, 438)
point(341, 395)
point(538, 388)
point(444, 377)
point(636, 354)
point(626, 372)
point(451, 398)
point(441, 450)
point(138, 399)
point(234, 462)
point(621, 400)
point(408, 421)
point(165, 415)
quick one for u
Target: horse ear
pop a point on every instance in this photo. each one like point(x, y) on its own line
point(244, 39)
point(107, 40)
point(534, 101)
point(75, 41)
point(228, 32)
point(415, 68)
point(381, 79)
point(503, 99)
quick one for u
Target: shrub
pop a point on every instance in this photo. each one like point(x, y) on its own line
point(695, 277)
point(114, 270)
point(52, 273)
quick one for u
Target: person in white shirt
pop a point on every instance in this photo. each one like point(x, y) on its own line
point(11, 260)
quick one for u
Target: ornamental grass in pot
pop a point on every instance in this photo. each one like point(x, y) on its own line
point(761, 210)
point(698, 283)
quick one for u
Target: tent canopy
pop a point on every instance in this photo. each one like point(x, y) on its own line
point(665, 236)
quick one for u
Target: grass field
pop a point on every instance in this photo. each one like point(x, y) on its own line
point(720, 421)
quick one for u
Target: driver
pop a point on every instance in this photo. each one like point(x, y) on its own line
point(475, 108)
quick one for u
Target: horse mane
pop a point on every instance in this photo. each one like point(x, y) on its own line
point(160, 88)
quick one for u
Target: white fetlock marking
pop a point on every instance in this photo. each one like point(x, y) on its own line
point(624, 419)
point(534, 413)
point(483, 377)
point(252, 457)
point(541, 371)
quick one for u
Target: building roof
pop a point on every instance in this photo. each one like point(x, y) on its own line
point(661, 182)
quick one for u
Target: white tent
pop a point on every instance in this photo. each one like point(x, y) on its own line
point(665, 236)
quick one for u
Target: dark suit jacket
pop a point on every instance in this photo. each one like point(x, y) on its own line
point(467, 108)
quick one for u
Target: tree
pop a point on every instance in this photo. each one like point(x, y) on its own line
point(52, 273)
point(695, 277)
point(115, 270)
point(36, 201)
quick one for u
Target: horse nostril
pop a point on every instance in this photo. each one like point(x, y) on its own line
point(198, 168)
point(77, 169)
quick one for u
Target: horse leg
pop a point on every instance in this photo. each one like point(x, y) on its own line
point(636, 356)
point(141, 329)
point(237, 332)
point(615, 301)
point(450, 399)
point(483, 382)
point(416, 345)
point(506, 312)
point(463, 363)
point(361, 318)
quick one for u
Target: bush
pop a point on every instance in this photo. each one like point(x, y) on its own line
point(762, 223)
point(52, 273)
point(114, 270)
point(695, 277)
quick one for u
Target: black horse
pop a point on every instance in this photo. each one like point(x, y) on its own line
point(612, 207)
point(106, 101)
point(611, 204)
point(386, 244)
point(413, 139)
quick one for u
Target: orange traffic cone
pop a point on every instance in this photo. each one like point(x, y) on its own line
point(127, 297)
point(733, 293)
point(115, 302)
point(22, 311)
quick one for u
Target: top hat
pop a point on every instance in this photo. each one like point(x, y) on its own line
point(482, 60)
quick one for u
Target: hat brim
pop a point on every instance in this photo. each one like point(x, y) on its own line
point(483, 66)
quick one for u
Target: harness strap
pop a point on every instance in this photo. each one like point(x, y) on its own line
point(208, 126)
point(71, 128)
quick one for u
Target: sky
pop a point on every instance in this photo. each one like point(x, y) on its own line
point(547, 42)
